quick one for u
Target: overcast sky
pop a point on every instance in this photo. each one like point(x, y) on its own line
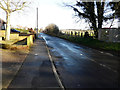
point(50, 11)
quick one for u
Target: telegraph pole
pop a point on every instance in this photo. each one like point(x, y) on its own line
point(37, 22)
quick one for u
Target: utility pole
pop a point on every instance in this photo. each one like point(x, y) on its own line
point(37, 22)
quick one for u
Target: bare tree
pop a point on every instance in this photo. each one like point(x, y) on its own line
point(10, 6)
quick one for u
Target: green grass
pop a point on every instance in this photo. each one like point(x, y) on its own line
point(93, 43)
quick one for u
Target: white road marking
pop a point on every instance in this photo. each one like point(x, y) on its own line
point(103, 65)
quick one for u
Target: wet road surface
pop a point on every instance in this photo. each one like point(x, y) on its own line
point(82, 67)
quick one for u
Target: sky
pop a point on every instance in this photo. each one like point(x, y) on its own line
point(49, 11)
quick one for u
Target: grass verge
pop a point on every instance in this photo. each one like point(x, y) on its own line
point(111, 47)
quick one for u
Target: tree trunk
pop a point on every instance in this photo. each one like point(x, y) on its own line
point(100, 12)
point(8, 26)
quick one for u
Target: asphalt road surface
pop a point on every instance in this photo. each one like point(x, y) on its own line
point(82, 67)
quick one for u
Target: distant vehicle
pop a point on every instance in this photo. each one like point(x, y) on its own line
point(14, 30)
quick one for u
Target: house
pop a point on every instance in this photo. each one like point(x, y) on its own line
point(2, 24)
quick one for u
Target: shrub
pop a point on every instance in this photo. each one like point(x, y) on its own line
point(52, 29)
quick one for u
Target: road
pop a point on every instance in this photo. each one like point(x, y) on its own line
point(82, 67)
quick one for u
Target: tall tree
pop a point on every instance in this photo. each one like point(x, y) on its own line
point(10, 6)
point(92, 12)
point(115, 6)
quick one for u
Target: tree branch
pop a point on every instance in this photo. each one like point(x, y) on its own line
point(112, 23)
point(1, 6)
point(5, 2)
point(22, 6)
point(79, 13)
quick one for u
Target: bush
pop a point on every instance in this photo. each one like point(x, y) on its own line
point(52, 29)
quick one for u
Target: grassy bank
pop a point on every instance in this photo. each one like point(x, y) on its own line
point(93, 43)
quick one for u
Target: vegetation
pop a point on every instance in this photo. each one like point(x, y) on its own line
point(95, 13)
point(10, 6)
point(94, 43)
point(115, 6)
point(91, 42)
point(52, 29)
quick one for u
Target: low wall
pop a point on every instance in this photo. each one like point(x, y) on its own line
point(22, 37)
point(0, 38)
point(12, 35)
point(15, 37)
point(30, 40)
point(24, 47)
point(2, 33)
point(109, 35)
